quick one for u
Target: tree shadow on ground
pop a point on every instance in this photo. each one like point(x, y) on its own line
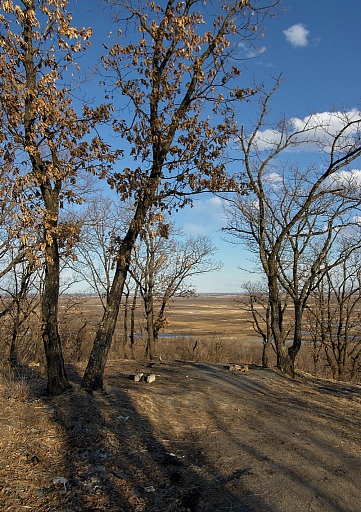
point(301, 439)
point(114, 461)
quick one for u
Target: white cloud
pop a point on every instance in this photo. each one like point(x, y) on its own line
point(316, 132)
point(297, 35)
point(215, 201)
point(350, 180)
point(273, 179)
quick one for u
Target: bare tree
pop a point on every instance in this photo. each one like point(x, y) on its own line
point(255, 303)
point(19, 306)
point(292, 217)
point(335, 316)
point(162, 266)
point(100, 222)
point(176, 60)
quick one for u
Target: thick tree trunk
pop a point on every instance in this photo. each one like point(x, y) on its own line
point(57, 378)
point(152, 351)
point(294, 349)
point(94, 372)
point(283, 361)
point(125, 326)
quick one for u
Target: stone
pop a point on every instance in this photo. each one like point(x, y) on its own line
point(238, 367)
point(138, 377)
point(150, 378)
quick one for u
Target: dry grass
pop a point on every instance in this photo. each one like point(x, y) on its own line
point(203, 328)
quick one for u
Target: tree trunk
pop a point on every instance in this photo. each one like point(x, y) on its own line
point(125, 326)
point(152, 351)
point(132, 321)
point(57, 378)
point(14, 356)
point(267, 339)
point(294, 349)
point(283, 360)
point(94, 372)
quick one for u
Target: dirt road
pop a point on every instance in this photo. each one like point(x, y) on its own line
point(199, 438)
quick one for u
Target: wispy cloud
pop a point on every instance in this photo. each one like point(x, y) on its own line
point(346, 179)
point(205, 216)
point(297, 35)
point(251, 51)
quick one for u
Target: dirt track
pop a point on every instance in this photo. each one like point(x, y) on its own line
point(199, 438)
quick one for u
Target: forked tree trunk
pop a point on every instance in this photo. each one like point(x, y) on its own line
point(284, 362)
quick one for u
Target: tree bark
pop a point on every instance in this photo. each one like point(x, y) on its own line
point(94, 372)
point(267, 339)
point(294, 349)
point(57, 378)
point(152, 351)
point(283, 360)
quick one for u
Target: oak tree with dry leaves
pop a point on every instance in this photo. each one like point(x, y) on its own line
point(173, 74)
point(45, 143)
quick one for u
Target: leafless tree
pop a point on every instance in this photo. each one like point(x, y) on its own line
point(335, 316)
point(162, 267)
point(20, 295)
point(255, 302)
point(291, 217)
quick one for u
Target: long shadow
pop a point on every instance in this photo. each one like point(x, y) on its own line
point(296, 416)
point(113, 461)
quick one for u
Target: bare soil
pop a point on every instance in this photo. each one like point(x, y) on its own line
point(199, 438)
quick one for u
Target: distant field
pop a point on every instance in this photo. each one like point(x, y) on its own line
point(208, 314)
point(203, 315)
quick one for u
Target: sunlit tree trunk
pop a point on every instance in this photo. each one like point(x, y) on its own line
point(57, 378)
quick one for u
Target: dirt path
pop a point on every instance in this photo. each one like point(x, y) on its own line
point(199, 438)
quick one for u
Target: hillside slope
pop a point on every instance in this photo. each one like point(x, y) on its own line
point(198, 438)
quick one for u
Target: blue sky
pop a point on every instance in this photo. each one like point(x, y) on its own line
point(316, 45)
